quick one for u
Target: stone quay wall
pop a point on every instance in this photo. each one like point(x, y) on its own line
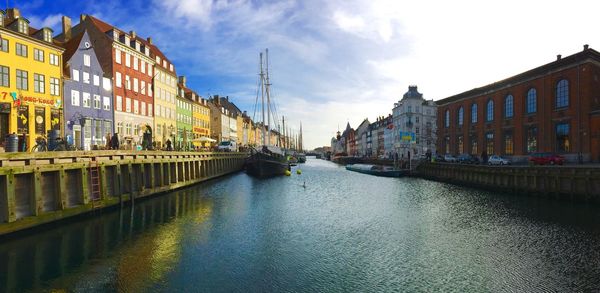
point(39, 188)
point(576, 182)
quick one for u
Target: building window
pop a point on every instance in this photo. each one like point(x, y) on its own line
point(490, 111)
point(96, 102)
point(127, 60)
point(136, 107)
point(87, 61)
point(86, 77)
point(128, 105)
point(143, 111)
point(118, 56)
point(460, 144)
point(135, 85)
point(150, 110)
point(531, 139)
point(120, 127)
point(508, 106)
point(562, 94)
point(47, 36)
point(106, 84)
point(21, 50)
point(143, 88)
point(86, 97)
point(53, 59)
point(74, 98)
point(447, 119)
point(54, 86)
point(149, 69)
point(474, 113)
point(4, 76)
point(563, 143)
point(118, 77)
point(508, 144)
point(135, 63)
point(106, 103)
point(107, 127)
point(461, 115)
point(96, 80)
point(23, 27)
point(531, 101)
point(143, 66)
point(75, 75)
point(22, 80)
point(4, 45)
point(473, 145)
point(119, 103)
point(127, 82)
point(38, 55)
point(489, 143)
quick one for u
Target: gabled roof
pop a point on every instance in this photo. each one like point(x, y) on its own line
point(70, 48)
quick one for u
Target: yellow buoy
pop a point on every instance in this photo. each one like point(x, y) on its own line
point(288, 173)
point(298, 171)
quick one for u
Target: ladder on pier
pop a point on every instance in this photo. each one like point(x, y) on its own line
point(95, 187)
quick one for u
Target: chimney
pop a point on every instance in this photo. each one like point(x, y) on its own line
point(132, 34)
point(182, 80)
point(227, 98)
point(12, 14)
point(82, 17)
point(558, 57)
point(149, 39)
point(585, 47)
point(66, 27)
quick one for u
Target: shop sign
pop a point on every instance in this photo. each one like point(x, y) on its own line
point(40, 119)
point(200, 130)
point(27, 99)
point(23, 120)
point(55, 119)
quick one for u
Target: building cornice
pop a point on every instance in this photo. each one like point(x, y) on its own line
point(31, 39)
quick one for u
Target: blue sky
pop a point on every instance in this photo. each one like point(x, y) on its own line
point(337, 61)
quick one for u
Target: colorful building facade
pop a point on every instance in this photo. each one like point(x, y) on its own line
point(184, 134)
point(201, 119)
point(551, 108)
point(165, 97)
point(88, 109)
point(31, 86)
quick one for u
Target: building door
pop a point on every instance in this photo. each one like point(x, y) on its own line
point(3, 127)
point(77, 136)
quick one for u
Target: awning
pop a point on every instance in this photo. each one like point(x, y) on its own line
point(205, 139)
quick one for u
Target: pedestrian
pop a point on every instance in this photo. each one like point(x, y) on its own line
point(169, 145)
point(114, 141)
point(484, 157)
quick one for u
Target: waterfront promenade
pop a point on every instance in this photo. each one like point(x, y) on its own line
point(38, 188)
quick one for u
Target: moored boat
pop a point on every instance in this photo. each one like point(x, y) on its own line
point(377, 170)
point(266, 163)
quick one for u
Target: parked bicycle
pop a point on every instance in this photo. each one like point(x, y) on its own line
point(41, 145)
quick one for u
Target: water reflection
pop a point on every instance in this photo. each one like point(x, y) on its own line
point(343, 231)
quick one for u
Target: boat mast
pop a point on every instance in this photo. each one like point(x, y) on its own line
point(262, 97)
point(268, 91)
point(300, 139)
point(283, 127)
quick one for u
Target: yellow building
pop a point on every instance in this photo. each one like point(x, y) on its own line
point(239, 121)
point(201, 120)
point(165, 93)
point(30, 79)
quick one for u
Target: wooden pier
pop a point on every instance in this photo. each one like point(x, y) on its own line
point(38, 188)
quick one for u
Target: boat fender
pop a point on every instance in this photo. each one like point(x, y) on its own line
point(298, 171)
point(288, 173)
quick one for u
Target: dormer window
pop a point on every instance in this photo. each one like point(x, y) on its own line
point(23, 26)
point(158, 60)
point(48, 35)
point(171, 67)
point(126, 39)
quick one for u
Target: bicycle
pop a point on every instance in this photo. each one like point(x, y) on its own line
point(40, 145)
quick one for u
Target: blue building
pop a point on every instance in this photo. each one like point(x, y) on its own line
point(88, 96)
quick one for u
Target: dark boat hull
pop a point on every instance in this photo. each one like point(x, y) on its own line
point(264, 166)
point(381, 173)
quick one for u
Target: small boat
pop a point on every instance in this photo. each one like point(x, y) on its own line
point(301, 157)
point(377, 170)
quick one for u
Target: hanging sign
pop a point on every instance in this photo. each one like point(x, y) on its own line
point(23, 120)
point(40, 120)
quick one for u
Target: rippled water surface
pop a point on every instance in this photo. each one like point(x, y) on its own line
point(342, 232)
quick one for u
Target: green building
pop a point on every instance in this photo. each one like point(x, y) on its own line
point(184, 137)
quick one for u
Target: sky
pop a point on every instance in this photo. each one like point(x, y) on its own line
point(334, 62)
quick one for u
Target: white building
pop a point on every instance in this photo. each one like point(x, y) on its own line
point(415, 116)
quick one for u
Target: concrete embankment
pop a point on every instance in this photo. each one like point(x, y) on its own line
point(580, 183)
point(40, 188)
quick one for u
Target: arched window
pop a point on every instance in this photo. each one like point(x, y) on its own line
point(490, 111)
point(461, 115)
point(447, 123)
point(562, 94)
point(474, 113)
point(508, 106)
point(531, 101)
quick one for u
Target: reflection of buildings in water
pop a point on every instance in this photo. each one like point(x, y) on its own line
point(100, 253)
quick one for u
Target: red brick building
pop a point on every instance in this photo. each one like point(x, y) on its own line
point(552, 108)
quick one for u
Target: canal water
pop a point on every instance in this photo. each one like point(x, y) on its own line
point(326, 230)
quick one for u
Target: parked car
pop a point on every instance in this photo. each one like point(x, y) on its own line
point(546, 158)
point(227, 146)
point(438, 158)
point(497, 160)
point(449, 158)
point(467, 159)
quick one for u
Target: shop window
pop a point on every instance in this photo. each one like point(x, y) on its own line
point(563, 142)
point(508, 144)
point(489, 143)
point(532, 139)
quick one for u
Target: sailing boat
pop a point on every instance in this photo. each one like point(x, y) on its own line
point(266, 161)
point(301, 155)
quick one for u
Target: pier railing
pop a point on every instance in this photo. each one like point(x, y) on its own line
point(37, 188)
